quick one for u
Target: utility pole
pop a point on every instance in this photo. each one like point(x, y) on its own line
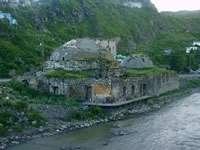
point(42, 46)
point(190, 62)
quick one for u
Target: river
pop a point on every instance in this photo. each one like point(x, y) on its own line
point(176, 126)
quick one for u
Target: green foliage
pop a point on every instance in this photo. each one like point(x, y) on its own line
point(32, 96)
point(65, 75)
point(20, 44)
point(93, 112)
point(34, 116)
point(60, 21)
point(14, 115)
point(20, 106)
point(193, 84)
point(145, 72)
point(178, 62)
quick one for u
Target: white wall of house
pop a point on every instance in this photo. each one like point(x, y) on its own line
point(188, 49)
point(196, 43)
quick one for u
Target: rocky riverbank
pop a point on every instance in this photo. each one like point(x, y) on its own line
point(56, 125)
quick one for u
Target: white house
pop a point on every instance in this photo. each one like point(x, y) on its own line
point(168, 51)
point(196, 43)
point(188, 49)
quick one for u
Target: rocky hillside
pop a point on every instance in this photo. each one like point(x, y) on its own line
point(52, 23)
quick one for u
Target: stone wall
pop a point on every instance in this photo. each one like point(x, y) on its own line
point(110, 90)
point(109, 45)
point(125, 89)
point(70, 65)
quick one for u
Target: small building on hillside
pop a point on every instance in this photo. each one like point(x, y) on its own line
point(189, 49)
point(8, 17)
point(167, 51)
point(196, 43)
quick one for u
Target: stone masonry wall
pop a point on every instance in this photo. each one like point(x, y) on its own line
point(109, 90)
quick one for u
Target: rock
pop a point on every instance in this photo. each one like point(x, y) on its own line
point(64, 126)
point(1, 125)
point(41, 130)
point(87, 125)
point(105, 143)
point(2, 147)
point(121, 133)
point(10, 130)
point(63, 148)
point(77, 147)
point(15, 142)
point(117, 125)
point(85, 108)
point(121, 115)
point(34, 122)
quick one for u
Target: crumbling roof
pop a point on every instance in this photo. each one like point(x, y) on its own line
point(79, 49)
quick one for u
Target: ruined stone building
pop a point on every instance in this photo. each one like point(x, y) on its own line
point(107, 84)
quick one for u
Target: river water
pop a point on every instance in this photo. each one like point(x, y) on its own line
point(176, 126)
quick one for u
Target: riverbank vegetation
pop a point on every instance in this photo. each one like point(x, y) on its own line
point(18, 111)
point(16, 115)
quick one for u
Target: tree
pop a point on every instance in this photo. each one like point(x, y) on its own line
point(178, 61)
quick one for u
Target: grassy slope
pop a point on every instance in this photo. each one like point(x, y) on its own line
point(64, 20)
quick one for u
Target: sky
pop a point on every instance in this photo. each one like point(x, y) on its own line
point(176, 5)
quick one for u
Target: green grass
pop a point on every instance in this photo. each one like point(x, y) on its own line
point(93, 113)
point(145, 72)
point(193, 84)
point(32, 96)
point(65, 75)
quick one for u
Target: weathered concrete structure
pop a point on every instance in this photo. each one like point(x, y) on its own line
point(108, 84)
point(81, 54)
point(107, 90)
point(137, 61)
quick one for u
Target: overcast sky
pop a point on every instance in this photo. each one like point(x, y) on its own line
point(176, 5)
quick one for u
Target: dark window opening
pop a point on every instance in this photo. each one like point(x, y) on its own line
point(63, 58)
point(141, 89)
point(124, 91)
point(89, 93)
point(143, 59)
point(55, 90)
point(133, 89)
point(144, 89)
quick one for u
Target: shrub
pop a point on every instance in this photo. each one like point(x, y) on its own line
point(20, 106)
point(34, 116)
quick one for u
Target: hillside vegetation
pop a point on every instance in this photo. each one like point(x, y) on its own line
point(55, 22)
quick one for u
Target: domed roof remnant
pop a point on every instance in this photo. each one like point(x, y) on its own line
point(137, 61)
point(81, 54)
point(79, 49)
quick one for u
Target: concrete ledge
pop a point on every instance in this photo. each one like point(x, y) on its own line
point(118, 104)
point(5, 80)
